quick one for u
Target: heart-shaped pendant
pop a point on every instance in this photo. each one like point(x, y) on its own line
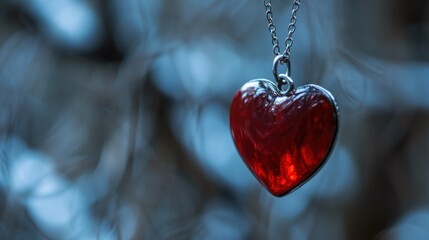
point(284, 138)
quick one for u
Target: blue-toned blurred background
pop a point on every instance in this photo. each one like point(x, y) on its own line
point(114, 119)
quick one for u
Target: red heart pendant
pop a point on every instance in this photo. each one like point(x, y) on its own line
point(283, 139)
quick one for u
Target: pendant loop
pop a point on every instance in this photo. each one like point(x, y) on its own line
point(283, 79)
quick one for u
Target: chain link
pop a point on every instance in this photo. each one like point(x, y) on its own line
point(272, 28)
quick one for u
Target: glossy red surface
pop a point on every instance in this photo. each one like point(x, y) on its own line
point(283, 140)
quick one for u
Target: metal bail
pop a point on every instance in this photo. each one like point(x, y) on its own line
point(283, 79)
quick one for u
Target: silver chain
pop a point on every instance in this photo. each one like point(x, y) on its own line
point(272, 28)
